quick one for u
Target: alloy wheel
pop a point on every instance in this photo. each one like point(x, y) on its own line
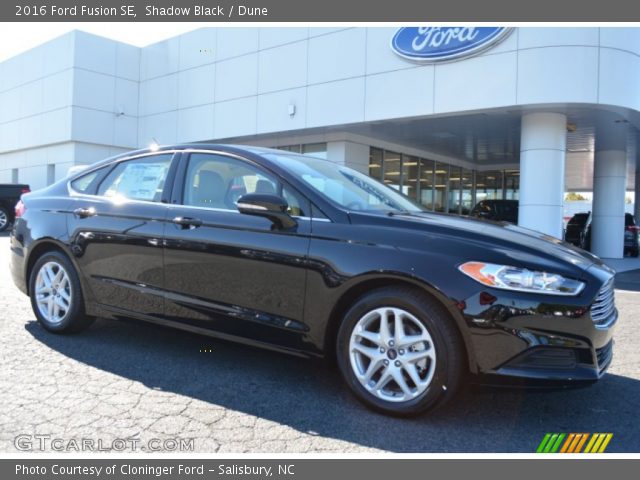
point(392, 354)
point(53, 292)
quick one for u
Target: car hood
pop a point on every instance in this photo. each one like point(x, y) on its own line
point(495, 233)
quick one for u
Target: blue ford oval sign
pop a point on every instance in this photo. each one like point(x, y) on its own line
point(436, 44)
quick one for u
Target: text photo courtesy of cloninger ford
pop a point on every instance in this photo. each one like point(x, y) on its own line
point(314, 239)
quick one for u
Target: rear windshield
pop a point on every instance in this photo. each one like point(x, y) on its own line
point(579, 219)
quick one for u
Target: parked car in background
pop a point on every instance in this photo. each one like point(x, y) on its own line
point(293, 253)
point(9, 195)
point(498, 210)
point(578, 232)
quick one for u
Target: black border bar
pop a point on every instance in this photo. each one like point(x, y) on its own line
point(405, 11)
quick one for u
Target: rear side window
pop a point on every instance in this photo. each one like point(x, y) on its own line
point(84, 183)
point(139, 179)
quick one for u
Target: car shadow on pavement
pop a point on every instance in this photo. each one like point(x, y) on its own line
point(310, 398)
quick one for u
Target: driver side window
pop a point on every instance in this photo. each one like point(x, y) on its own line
point(217, 181)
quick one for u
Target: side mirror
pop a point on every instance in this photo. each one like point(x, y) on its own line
point(272, 207)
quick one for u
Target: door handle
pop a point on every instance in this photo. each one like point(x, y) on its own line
point(84, 212)
point(187, 222)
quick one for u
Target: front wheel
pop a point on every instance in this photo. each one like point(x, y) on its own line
point(399, 352)
point(56, 295)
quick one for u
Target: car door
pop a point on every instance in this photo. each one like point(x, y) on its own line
point(233, 273)
point(116, 231)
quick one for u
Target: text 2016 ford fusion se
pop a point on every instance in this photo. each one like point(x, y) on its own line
point(301, 255)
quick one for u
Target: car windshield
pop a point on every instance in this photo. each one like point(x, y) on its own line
point(346, 187)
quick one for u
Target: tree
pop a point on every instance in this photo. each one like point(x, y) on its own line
point(574, 197)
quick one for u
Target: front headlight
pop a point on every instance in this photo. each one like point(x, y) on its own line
point(520, 279)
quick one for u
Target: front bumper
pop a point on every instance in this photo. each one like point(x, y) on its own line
point(525, 337)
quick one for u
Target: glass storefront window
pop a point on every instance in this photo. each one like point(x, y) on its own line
point(488, 185)
point(392, 169)
point(426, 183)
point(467, 201)
point(318, 150)
point(290, 148)
point(511, 184)
point(410, 169)
point(375, 163)
point(454, 190)
point(440, 187)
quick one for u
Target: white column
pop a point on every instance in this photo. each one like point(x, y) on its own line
point(542, 159)
point(350, 154)
point(609, 188)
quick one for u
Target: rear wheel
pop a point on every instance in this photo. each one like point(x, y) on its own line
point(56, 296)
point(399, 352)
point(4, 219)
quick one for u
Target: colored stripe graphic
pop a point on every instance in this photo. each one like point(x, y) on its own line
point(574, 442)
point(543, 443)
point(581, 443)
point(604, 445)
point(572, 439)
point(551, 443)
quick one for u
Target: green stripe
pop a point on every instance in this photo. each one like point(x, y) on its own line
point(558, 443)
point(543, 443)
point(550, 443)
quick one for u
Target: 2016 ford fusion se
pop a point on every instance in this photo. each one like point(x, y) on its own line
point(298, 254)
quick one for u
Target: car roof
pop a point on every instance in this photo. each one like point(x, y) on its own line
point(221, 147)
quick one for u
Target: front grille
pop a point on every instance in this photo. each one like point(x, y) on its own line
point(603, 310)
point(604, 355)
point(544, 358)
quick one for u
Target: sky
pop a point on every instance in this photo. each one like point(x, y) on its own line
point(17, 37)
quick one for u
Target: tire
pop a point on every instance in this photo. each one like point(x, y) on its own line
point(441, 367)
point(5, 219)
point(56, 294)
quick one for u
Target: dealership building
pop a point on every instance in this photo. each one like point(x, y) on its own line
point(526, 113)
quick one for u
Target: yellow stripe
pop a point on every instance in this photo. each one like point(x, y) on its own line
point(596, 446)
point(583, 439)
point(607, 439)
point(566, 444)
point(590, 444)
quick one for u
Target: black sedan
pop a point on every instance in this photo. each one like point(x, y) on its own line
point(287, 252)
